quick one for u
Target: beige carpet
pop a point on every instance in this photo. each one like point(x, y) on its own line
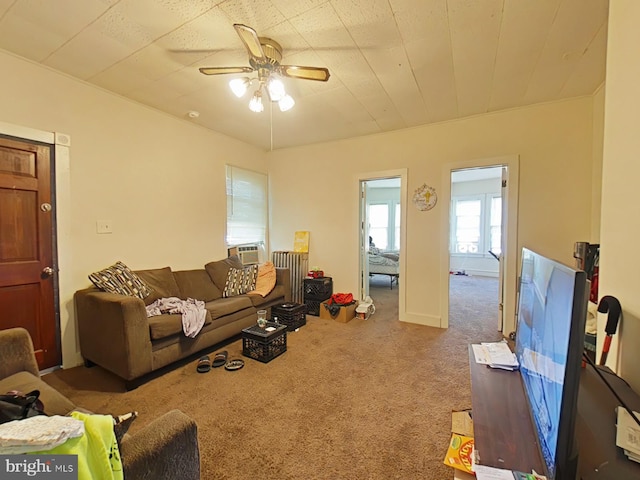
point(369, 399)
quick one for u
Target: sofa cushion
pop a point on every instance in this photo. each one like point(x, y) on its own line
point(240, 280)
point(258, 300)
point(225, 306)
point(54, 402)
point(196, 284)
point(218, 271)
point(161, 326)
point(161, 281)
point(118, 278)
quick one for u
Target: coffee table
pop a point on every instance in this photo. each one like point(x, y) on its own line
point(262, 345)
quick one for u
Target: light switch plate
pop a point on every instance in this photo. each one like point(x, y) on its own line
point(104, 226)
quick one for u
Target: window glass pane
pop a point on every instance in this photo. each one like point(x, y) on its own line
point(496, 225)
point(396, 239)
point(246, 206)
point(468, 230)
point(378, 224)
point(468, 207)
point(496, 234)
point(496, 211)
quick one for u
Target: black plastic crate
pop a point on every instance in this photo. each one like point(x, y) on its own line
point(313, 307)
point(264, 346)
point(318, 288)
point(293, 315)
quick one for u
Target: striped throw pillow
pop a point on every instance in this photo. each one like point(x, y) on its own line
point(240, 280)
point(118, 278)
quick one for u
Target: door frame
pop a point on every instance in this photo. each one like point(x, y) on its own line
point(362, 241)
point(61, 173)
point(509, 256)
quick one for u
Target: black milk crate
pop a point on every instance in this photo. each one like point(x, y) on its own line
point(293, 315)
point(264, 346)
point(313, 307)
point(318, 288)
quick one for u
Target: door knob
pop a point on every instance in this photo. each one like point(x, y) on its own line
point(47, 272)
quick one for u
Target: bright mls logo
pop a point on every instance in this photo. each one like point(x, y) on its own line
point(51, 467)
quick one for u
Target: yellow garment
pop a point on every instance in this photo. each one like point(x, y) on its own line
point(266, 280)
point(97, 449)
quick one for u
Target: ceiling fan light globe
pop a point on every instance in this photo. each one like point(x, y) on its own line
point(276, 89)
point(255, 104)
point(286, 103)
point(239, 86)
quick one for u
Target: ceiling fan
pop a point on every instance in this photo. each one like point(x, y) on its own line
point(265, 55)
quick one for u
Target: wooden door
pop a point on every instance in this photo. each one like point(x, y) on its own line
point(26, 246)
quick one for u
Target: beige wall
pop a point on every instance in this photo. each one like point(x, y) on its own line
point(315, 188)
point(620, 226)
point(598, 141)
point(159, 180)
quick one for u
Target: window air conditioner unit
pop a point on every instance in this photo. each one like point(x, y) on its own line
point(248, 254)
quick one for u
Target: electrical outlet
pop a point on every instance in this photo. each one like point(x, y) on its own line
point(104, 226)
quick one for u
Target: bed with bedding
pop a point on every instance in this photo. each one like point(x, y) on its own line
point(383, 263)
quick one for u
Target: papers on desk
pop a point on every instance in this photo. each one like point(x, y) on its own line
point(496, 355)
point(628, 434)
point(489, 473)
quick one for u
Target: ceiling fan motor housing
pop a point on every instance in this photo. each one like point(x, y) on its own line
point(272, 50)
point(272, 53)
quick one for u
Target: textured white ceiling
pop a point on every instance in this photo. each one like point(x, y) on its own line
point(394, 63)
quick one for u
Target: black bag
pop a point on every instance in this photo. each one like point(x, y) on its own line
point(17, 406)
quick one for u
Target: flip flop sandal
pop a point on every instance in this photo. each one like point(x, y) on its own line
point(204, 364)
point(219, 359)
point(235, 364)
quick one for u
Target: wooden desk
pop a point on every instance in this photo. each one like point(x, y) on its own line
point(504, 435)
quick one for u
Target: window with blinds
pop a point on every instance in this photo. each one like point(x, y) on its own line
point(247, 206)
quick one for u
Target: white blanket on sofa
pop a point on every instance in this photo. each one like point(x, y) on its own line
point(193, 312)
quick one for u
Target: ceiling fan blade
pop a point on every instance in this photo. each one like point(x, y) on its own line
point(251, 41)
point(223, 70)
point(320, 74)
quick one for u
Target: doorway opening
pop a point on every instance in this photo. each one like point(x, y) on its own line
point(475, 244)
point(480, 242)
point(381, 238)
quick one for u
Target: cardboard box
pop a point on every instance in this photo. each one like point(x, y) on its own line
point(344, 315)
point(462, 422)
point(460, 453)
point(460, 475)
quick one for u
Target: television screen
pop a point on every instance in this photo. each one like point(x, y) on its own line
point(552, 308)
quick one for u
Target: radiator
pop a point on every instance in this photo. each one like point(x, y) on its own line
point(298, 265)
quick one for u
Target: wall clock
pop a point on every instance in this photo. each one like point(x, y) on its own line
point(425, 198)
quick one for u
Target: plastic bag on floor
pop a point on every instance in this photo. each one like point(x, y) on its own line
point(365, 308)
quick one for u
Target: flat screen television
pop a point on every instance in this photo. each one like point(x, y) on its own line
point(552, 312)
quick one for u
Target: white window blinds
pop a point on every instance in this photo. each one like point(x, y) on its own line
point(246, 206)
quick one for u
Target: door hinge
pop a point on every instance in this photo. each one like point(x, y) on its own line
point(504, 184)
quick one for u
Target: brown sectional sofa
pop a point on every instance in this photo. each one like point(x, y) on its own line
point(116, 333)
point(165, 449)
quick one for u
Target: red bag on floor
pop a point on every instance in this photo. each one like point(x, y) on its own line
point(341, 299)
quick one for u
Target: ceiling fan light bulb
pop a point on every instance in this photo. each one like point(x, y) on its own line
point(255, 104)
point(286, 103)
point(239, 86)
point(276, 89)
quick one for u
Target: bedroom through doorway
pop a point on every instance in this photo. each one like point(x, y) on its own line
point(381, 223)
